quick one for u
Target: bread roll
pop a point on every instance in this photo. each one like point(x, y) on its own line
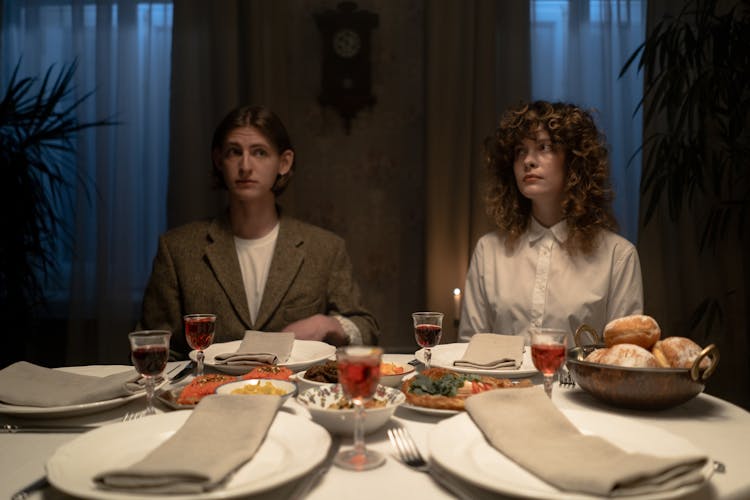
point(639, 329)
point(678, 352)
point(629, 355)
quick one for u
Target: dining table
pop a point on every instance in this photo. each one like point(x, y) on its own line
point(718, 428)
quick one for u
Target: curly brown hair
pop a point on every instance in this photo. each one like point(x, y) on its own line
point(587, 194)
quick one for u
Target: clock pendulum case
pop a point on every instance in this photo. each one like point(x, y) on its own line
point(346, 75)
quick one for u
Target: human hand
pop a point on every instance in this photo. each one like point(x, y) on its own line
point(318, 327)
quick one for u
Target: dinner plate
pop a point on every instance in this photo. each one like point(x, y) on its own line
point(459, 446)
point(77, 409)
point(293, 446)
point(305, 353)
point(436, 412)
point(444, 355)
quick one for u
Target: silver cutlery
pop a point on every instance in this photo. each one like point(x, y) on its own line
point(26, 491)
point(308, 482)
point(59, 429)
point(410, 455)
point(566, 379)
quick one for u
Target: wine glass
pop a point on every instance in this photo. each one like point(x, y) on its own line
point(149, 350)
point(359, 374)
point(199, 333)
point(548, 348)
point(428, 328)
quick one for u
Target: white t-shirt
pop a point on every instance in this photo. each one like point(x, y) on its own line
point(539, 284)
point(255, 260)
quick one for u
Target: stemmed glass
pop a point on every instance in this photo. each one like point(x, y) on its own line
point(149, 350)
point(548, 348)
point(199, 332)
point(428, 328)
point(359, 374)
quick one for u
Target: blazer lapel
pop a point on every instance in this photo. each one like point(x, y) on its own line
point(287, 259)
point(222, 257)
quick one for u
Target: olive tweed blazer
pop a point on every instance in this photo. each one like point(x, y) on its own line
point(196, 270)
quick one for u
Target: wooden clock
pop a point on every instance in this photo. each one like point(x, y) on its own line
point(346, 83)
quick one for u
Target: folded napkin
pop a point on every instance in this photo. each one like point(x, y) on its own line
point(27, 384)
point(259, 348)
point(221, 434)
point(491, 351)
point(525, 426)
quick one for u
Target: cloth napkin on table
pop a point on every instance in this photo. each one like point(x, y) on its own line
point(527, 427)
point(221, 434)
point(27, 384)
point(259, 348)
point(491, 351)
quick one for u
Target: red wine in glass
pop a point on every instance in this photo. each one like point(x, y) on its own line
point(199, 332)
point(428, 335)
point(150, 360)
point(359, 378)
point(548, 357)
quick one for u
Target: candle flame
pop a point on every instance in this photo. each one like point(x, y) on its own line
point(456, 292)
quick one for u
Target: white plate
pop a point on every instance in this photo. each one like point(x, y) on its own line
point(305, 353)
point(78, 409)
point(444, 355)
point(436, 412)
point(294, 445)
point(459, 446)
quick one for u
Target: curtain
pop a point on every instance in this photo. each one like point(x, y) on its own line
point(123, 49)
point(577, 51)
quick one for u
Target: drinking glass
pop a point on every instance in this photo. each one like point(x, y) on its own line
point(548, 347)
point(199, 332)
point(359, 374)
point(149, 350)
point(428, 328)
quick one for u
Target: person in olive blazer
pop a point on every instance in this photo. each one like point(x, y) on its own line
point(309, 289)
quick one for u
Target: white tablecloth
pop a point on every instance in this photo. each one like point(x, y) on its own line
point(719, 428)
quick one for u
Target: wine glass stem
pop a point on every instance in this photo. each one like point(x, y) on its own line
point(548, 385)
point(150, 396)
point(359, 427)
point(199, 366)
point(427, 357)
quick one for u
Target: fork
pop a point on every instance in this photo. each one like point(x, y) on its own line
point(410, 455)
point(566, 379)
point(132, 415)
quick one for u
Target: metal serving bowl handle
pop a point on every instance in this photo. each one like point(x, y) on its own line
point(584, 328)
point(712, 352)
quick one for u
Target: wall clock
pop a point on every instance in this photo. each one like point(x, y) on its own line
point(346, 72)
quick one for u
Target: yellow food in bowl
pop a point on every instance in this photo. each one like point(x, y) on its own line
point(266, 388)
point(390, 369)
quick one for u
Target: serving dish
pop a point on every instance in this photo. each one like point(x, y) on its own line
point(318, 399)
point(638, 388)
point(289, 388)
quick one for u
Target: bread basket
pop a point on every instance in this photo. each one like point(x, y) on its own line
point(638, 388)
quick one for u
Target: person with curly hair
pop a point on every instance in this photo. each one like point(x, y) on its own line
point(555, 259)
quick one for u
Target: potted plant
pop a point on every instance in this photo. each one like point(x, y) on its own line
point(38, 127)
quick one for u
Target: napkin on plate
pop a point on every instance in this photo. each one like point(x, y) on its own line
point(527, 427)
point(27, 384)
point(221, 434)
point(491, 351)
point(259, 348)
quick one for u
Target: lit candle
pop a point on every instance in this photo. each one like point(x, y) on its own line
point(456, 303)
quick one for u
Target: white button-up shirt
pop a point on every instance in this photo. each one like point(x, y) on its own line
point(539, 284)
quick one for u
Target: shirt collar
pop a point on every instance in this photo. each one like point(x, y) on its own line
point(536, 231)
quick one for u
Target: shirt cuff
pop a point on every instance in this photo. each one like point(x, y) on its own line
point(350, 329)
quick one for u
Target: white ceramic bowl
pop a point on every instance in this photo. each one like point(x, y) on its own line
point(304, 384)
point(318, 399)
point(289, 388)
point(395, 379)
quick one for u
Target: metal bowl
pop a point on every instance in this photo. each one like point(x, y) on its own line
point(638, 388)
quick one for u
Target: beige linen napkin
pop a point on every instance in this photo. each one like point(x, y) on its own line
point(491, 351)
point(259, 348)
point(221, 434)
point(27, 384)
point(525, 426)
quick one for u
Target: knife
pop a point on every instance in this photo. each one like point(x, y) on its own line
point(308, 482)
point(186, 370)
point(55, 429)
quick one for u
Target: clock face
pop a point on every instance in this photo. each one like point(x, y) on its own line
point(346, 43)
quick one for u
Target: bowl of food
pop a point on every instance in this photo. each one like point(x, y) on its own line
point(330, 408)
point(392, 372)
point(671, 372)
point(260, 386)
point(317, 376)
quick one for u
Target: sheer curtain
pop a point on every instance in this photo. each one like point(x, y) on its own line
point(577, 51)
point(123, 54)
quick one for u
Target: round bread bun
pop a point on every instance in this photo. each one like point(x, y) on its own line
point(638, 329)
point(629, 355)
point(597, 355)
point(678, 352)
